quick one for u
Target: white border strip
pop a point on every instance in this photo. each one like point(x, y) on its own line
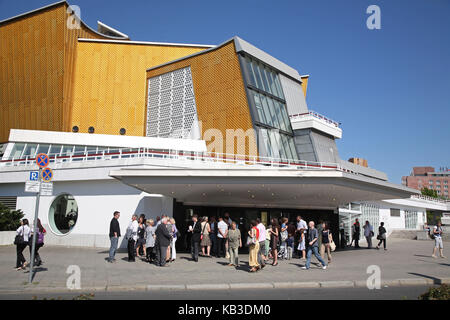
point(146, 43)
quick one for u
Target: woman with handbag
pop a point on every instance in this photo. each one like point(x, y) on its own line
point(327, 239)
point(205, 240)
point(274, 232)
point(253, 245)
point(381, 236)
point(23, 234)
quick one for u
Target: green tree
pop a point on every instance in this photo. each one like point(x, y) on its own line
point(429, 192)
point(9, 219)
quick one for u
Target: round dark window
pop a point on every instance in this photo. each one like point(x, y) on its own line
point(63, 214)
point(75, 129)
point(91, 130)
point(123, 131)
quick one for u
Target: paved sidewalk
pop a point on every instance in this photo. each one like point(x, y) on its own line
point(404, 259)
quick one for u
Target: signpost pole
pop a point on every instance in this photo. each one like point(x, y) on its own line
point(36, 214)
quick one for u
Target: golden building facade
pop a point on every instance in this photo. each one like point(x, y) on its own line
point(43, 61)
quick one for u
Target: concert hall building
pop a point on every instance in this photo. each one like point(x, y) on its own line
point(169, 128)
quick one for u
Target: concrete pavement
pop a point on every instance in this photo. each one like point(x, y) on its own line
point(405, 263)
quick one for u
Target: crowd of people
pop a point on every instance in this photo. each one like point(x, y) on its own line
point(154, 241)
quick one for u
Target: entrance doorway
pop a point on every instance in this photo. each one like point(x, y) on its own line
point(243, 216)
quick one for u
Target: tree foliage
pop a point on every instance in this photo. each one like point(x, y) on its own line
point(429, 192)
point(9, 219)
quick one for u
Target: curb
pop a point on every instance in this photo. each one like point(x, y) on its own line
point(237, 286)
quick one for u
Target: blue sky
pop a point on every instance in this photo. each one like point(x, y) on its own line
point(389, 88)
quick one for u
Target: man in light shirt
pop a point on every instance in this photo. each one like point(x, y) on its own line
point(262, 243)
point(368, 233)
point(222, 232)
point(302, 229)
point(132, 237)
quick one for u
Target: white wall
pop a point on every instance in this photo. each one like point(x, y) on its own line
point(96, 200)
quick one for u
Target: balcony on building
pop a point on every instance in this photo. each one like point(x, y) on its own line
point(316, 121)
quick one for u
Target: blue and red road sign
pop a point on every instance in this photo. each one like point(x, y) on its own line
point(42, 160)
point(47, 175)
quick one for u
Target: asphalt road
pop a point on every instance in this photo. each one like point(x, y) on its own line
point(389, 293)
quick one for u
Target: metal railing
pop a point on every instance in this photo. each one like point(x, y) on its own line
point(427, 198)
point(314, 115)
point(199, 157)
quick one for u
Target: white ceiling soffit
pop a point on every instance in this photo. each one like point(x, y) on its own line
point(105, 140)
point(242, 45)
point(258, 188)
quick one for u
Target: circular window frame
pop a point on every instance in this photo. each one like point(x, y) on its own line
point(58, 233)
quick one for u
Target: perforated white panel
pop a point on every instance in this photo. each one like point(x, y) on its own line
point(171, 109)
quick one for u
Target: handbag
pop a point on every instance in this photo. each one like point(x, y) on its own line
point(203, 230)
point(332, 245)
point(19, 238)
point(250, 241)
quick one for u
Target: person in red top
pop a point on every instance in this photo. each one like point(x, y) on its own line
point(253, 245)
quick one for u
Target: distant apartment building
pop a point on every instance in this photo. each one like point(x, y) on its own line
point(426, 177)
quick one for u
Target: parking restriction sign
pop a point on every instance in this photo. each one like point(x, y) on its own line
point(47, 175)
point(42, 160)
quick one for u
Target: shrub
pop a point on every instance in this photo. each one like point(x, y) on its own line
point(9, 219)
point(439, 293)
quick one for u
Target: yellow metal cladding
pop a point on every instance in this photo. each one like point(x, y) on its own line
point(110, 84)
point(36, 69)
point(305, 84)
point(31, 72)
point(219, 93)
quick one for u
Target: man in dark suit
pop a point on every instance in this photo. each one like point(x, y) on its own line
point(196, 228)
point(163, 238)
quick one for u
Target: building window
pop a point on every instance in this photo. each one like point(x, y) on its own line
point(275, 136)
point(63, 214)
point(395, 212)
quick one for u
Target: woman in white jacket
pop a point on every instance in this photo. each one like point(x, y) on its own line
point(23, 231)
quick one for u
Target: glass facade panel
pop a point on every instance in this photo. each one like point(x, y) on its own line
point(67, 150)
point(80, 150)
point(264, 78)
point(278, 84)
point(292, 146)
point(30, 150)
point(259, 108)
point(273, 114)
point(254, 67)
point(43, 148)
point(55, 149)
point(271, 77)
point(267, 98)
point(251, 75)
point(17, 150)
